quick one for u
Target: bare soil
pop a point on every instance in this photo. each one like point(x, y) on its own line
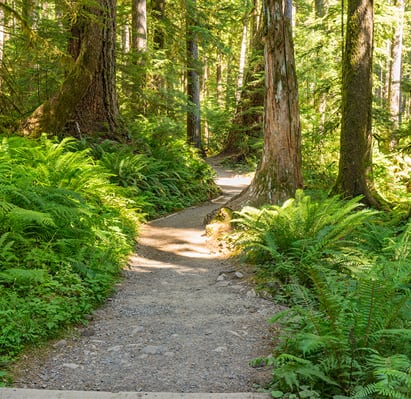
point(182, 319)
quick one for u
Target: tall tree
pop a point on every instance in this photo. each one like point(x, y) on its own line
point(139, 25)
point(279, 174)
point(158, 13)
point(86, 102)
point(355, 164)
point(394, 81)
point(319, 8)
point(193, 77)
point(248, 117)
point(243, 55)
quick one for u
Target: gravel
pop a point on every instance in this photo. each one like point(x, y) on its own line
point(183, 319)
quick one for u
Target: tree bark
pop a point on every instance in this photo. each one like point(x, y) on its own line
point(319, 8)
point(2, 35)
point(139, 25)
point(158, 13)
point(86, 103)
point(248, 117)
point(355, 165)
point(193, 79)
point(243, 55)
point(278, 175)
point(394, 83)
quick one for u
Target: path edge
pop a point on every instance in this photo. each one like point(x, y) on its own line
point(19, 393)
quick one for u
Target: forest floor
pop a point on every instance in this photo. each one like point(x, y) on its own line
point(183, 319)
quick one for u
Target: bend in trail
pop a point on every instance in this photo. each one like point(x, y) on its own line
point(181, 320)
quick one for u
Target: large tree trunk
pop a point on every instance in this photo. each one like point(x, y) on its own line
point(86, 103)
point(355, 165)
point(279, 174)
point(193, 79)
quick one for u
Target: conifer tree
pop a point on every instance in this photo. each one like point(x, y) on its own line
point(86, 102)
point(355, 165)
point(278, 175)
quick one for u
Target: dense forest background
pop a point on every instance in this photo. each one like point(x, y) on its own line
point(107, 109)
point(195, 70)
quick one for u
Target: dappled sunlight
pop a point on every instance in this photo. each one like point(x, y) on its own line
point(230, 184)
point(140, 264)
point(166, 245)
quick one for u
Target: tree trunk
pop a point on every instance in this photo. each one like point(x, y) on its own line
point(279, 174)
point(355, 165)
point(394, 84)
point(86, 103)
point(193, 79)
point(2, 36)
point(219, 79)
point(139, 25)
point(319, 8)
point(248, 118)
point(158, 13)
point(243, 55)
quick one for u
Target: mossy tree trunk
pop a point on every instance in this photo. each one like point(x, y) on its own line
point(355, 165)
point(279, 174)
point(86, 103)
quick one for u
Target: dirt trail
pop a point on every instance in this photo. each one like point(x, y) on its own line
point(180, 321)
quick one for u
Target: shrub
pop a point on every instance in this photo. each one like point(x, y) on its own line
point(345, 272)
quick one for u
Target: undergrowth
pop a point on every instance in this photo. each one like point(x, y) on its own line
point(69, 216)
point(344, 273)
point(168, 177)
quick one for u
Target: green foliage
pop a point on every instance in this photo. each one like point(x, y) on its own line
point(300, 231)
point(65, 233)
point(168, 174)
point(69, 214)
point(344, 274)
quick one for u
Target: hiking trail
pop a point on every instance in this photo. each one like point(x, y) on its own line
point(183, 319)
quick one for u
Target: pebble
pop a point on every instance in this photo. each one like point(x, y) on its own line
point(221, 277)
point(220, 349)
point(72, 366)
point(238, 274)
point(115, 348)
point(87, 332)
point(137, 329)
point(154, 350)
point(60, 344)
point(222, 283)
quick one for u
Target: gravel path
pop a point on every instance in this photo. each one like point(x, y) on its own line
point(182, 320)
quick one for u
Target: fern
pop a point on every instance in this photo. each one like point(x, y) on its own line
point(301, 229)
point(7, 255)
point(22, 278)
point(349, 305)
point(393, 376)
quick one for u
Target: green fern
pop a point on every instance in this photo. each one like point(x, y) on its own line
point(301, 230)
point(22, 278)
point(348, 304)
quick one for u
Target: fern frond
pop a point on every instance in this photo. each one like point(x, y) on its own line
point(22, 277)
point(27, 218)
